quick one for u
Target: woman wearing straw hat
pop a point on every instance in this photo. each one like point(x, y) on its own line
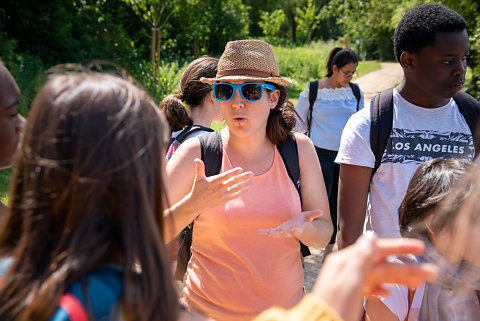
point(245, 253)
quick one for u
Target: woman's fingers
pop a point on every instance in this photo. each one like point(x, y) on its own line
point(225, 176)
point(276, 232)
point(387, 247)
point(239, 178)
point(409, 274)
point(238, 189)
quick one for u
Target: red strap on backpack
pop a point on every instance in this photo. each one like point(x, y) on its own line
point(73, 307)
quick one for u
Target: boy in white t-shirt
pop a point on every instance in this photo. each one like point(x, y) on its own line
point(431, 43)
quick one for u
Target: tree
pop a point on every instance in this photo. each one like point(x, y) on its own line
point(271, 22)
point(308, 19)
point(156, 14)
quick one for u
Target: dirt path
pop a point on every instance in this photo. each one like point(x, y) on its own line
point(388, 76)
point(372, 83)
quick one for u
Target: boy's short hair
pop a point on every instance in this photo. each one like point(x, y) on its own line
point(418, 27)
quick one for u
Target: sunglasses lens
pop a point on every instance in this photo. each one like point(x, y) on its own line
point(223, 92)
point(252, 92)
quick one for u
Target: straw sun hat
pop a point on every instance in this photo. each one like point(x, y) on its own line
point(248, 60)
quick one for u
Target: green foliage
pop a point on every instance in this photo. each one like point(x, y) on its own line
point(473, 85)
point(161, 84)
point(28, 72)
point(302, 63)
point(271, 22)
point(154, 12)
point(308, 19)
point(371, 25)
point(26, 69)
point(5, 175)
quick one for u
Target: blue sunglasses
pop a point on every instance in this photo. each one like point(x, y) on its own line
point(250, 91)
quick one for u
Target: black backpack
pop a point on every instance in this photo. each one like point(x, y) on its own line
point(381, 121)
point(312, 96)
point(175, 142)
point(211, 155)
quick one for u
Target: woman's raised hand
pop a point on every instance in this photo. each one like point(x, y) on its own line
point(294, 227)
point(362, 268)
point(209, 192)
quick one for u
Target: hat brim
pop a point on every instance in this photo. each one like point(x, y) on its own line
point(282, 81)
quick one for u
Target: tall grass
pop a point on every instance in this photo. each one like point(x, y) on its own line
point(303, 63)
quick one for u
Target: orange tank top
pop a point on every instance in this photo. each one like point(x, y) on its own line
point(235, 272)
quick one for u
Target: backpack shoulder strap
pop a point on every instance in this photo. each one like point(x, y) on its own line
point(469, 107)
point(190, 130)
point(381, 122)
point(356, 92)
point(312, 96)
point(288, 150)
point(211, 152)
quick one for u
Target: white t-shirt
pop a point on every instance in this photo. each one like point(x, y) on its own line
point(398, 301)
point(418, 134)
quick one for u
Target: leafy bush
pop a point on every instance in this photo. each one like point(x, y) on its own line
point(271, 22)
point(161, 84)
point(303, 63)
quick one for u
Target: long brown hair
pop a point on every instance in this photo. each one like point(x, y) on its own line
point(192, 92)
point(281, 119)
point(87, 191)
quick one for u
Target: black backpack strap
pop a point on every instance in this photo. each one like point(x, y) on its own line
point(381, 122)
point(469, 107)
point(211, 152)
point(289, 152)
point(312, 96)
point(356, 92)
point(190, 130)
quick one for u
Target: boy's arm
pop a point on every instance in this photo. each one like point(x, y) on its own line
point(353, 189)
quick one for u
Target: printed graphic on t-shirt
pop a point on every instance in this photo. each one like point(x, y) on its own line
point(408, 146)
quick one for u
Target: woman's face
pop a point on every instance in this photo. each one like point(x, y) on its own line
point(245, 118)
point(344, 75)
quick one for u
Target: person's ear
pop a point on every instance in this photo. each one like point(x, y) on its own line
point(408, 60)
point(274, 97)
point(335, 68)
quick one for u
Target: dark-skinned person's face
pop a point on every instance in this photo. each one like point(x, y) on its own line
point(11, 122)
point(440, 68)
